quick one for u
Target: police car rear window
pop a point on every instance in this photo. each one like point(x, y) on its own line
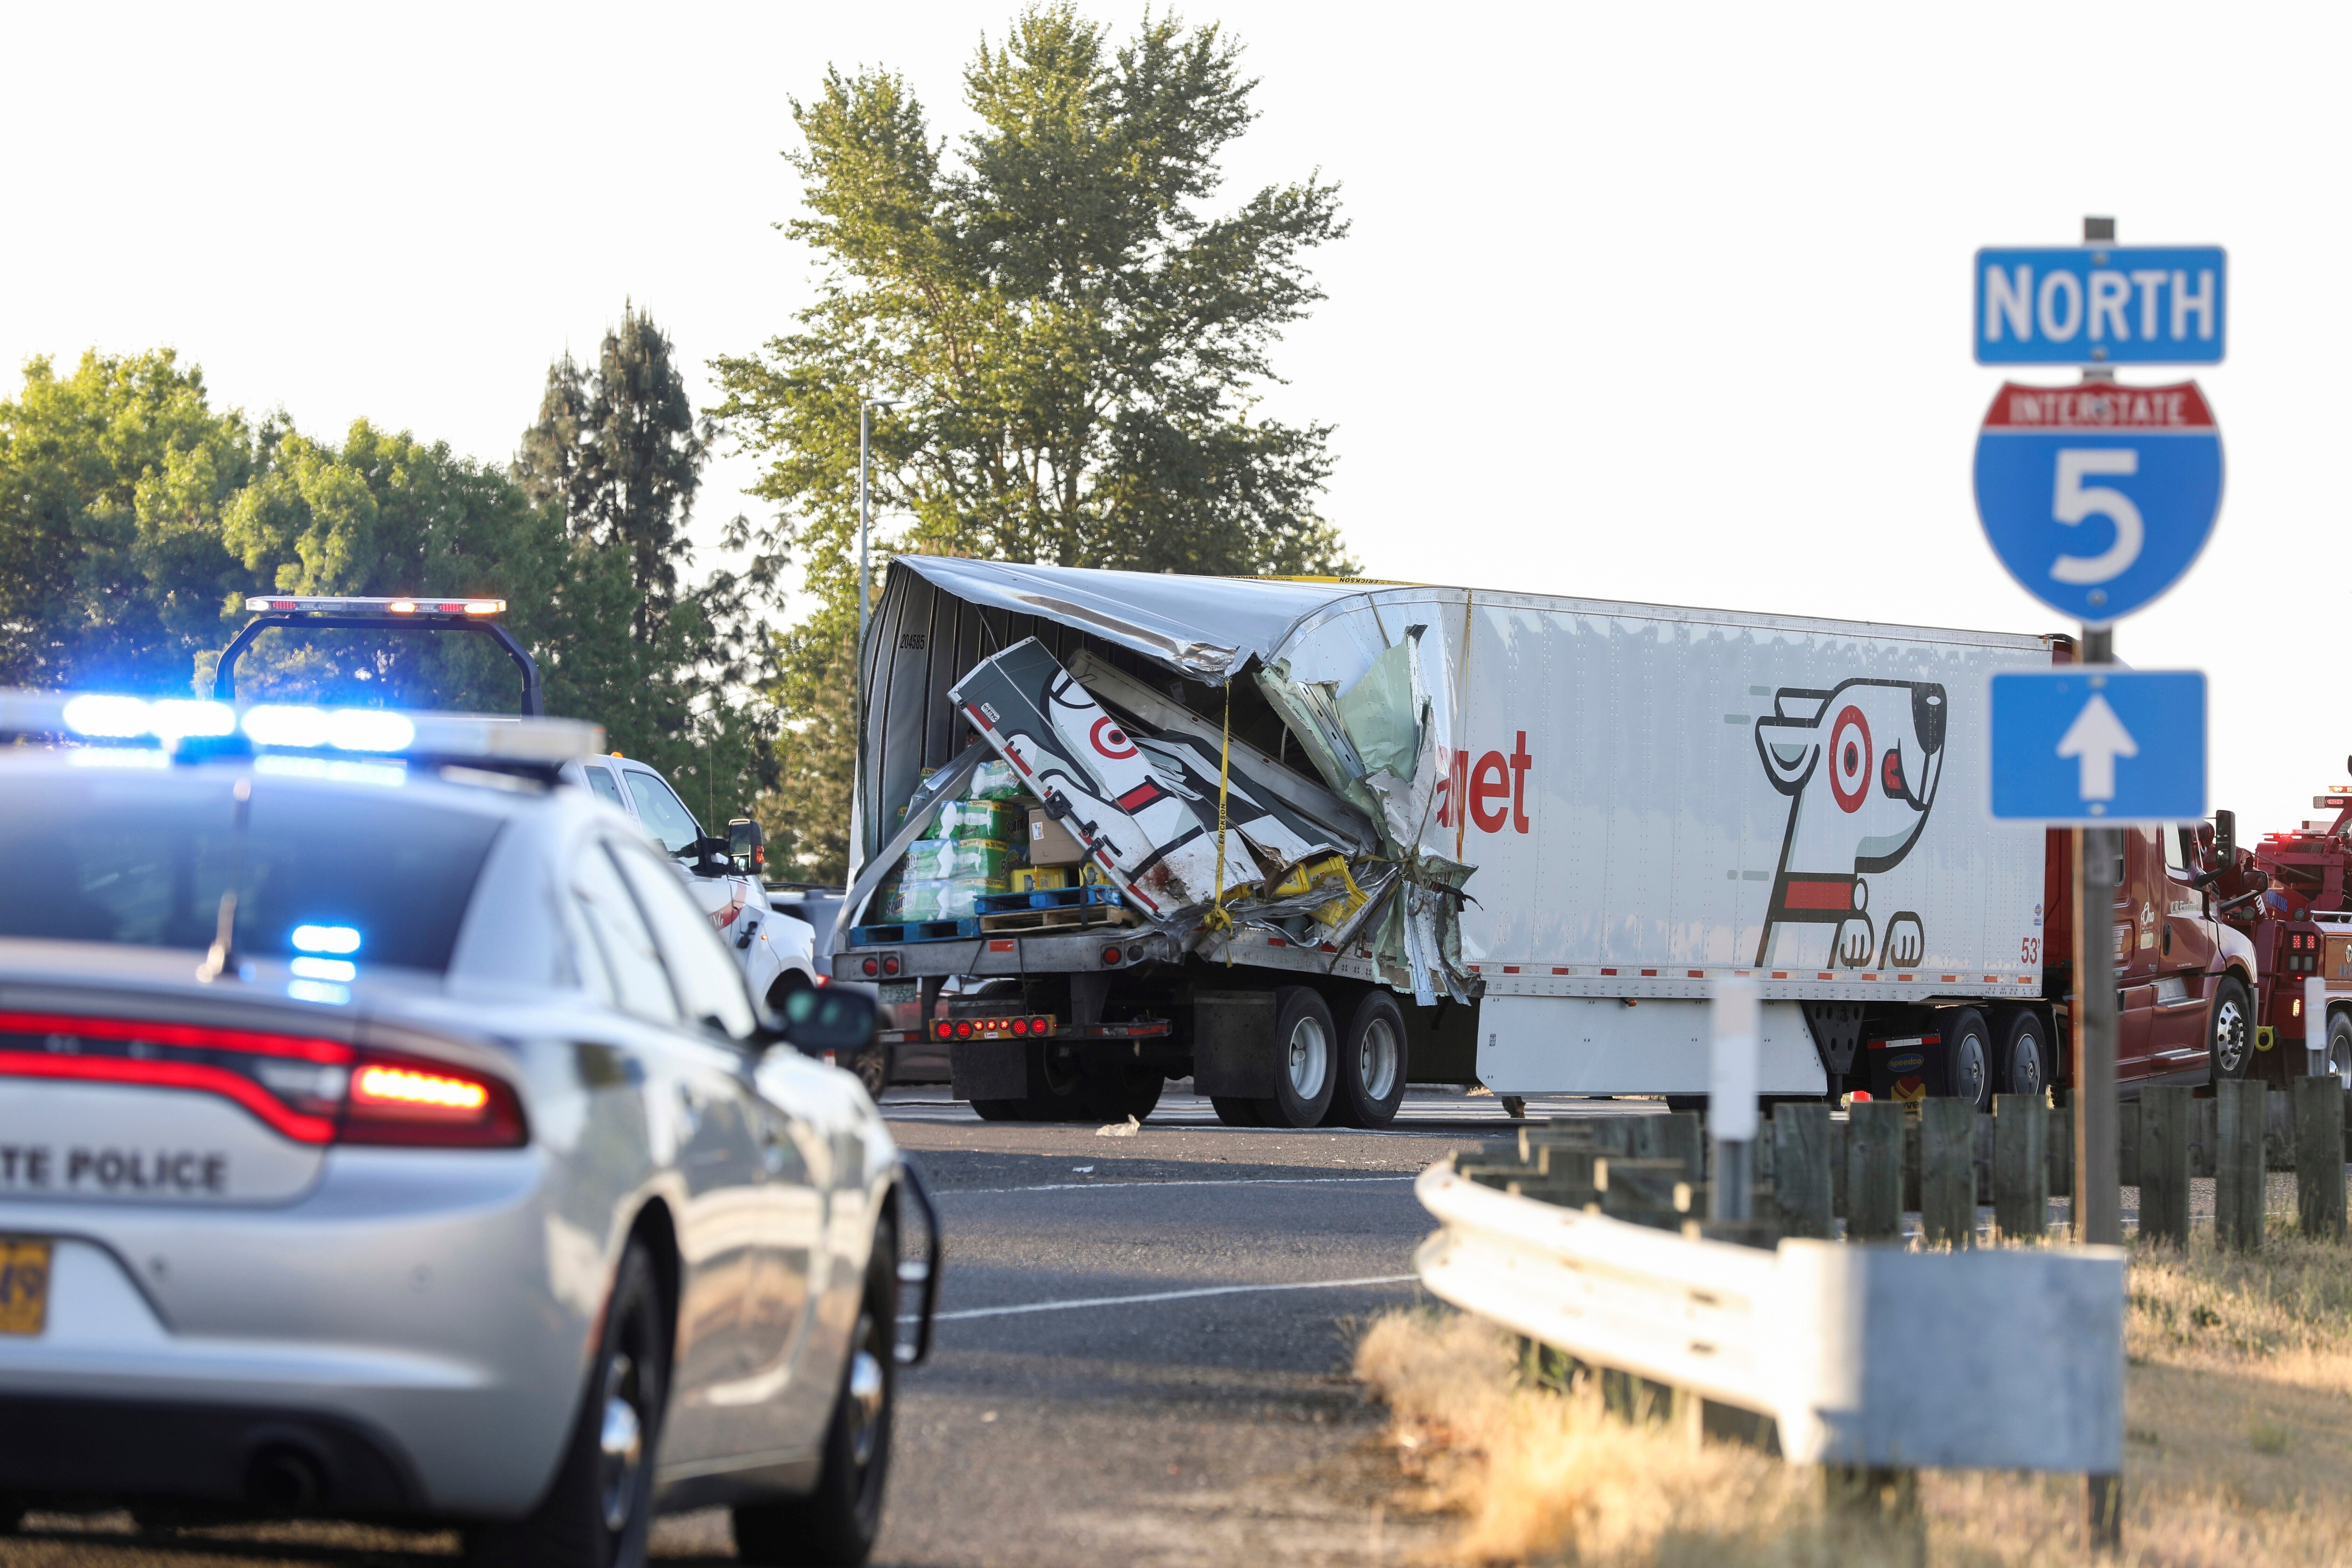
point(365, 878)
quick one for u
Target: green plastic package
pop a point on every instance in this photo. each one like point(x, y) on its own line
point(998, 820)
point(938, 859)
point(996, 780)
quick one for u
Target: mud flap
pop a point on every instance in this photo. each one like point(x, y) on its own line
point(1233, 1044)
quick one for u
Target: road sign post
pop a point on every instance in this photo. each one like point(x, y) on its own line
point(2097, 498)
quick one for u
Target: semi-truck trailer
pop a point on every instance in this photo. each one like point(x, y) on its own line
point(1341, 836)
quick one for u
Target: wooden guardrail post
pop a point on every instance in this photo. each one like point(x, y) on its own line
point(2239, 1178)
point(1947, 1172)
point(2021, 1167)
point(1801, 1170)
point(1677, 1135)
point(2059, 1120)
point(1874, 1171)
point(1840, 1202)
point(2319, 1155)
point(2168, 1126)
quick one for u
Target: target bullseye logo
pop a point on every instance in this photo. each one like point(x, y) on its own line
point(1850, 759)
point(1111, 741)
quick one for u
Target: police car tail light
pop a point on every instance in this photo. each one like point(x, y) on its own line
point(292, 1084)
point(400, 1100)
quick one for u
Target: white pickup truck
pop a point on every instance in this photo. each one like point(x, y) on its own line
point(773, 944)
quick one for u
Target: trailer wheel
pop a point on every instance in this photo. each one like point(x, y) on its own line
point(2229, 1035)
point(1000, 1109)
point(1235, 1113)
point(1304, 1045)
point(1369, 1082)
point(1968, 1058)
point(1114, 1093)
point(2024, 1066)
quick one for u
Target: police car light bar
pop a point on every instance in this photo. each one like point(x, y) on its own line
point(317, 605)
point(280, 727)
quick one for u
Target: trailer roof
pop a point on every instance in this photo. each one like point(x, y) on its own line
point(1209, 627)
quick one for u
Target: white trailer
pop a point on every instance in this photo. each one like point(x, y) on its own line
point(1652, 800)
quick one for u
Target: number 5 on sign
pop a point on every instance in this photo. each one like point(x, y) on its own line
point(2073, 504)
point(2097, 552)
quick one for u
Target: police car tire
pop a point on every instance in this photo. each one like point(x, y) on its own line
point(836, 1523)
point(567, 1530)
point(1375, 1029)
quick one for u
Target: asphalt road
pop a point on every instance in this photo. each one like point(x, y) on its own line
point(1142, 1358)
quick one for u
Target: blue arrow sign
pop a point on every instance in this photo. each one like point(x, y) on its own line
point(2103, 305)
point(2097, 497)
point(2084, 747)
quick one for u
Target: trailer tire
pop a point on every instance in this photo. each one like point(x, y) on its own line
point(1116, 1092)
point(1235, 1113)
point(1968, 1057)
point(1305, 1048)
point(1368, 1078)
point(2230, 1031)
point(2024, 1064)
point(1000, 1109)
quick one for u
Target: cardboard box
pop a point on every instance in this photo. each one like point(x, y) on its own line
point(1050, 843)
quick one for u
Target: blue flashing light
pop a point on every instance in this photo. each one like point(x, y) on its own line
point(325, 939)
point(325, 968)
point(319, 991)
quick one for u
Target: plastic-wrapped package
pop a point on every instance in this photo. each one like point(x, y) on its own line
point(995, 780)
point(938, 860)
point(943, 898)
point(1001, 821)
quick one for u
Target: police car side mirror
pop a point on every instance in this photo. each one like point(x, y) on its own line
point(836, 1018)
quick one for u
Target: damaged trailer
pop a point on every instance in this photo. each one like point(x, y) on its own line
point(1307, 841)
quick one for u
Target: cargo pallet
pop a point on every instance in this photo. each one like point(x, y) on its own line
point(1044, 899)
point(1069, 917)
point(911, 930)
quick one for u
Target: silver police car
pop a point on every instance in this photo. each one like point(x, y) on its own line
point(384, 1133)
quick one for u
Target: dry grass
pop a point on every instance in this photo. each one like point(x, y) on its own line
point(2240, 1447)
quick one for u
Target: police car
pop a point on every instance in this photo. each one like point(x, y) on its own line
point(384, 1132)
point(777, 957)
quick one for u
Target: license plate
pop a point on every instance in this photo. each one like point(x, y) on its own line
point(24, 1285)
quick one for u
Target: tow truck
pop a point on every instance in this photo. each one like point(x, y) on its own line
point(2293, 893)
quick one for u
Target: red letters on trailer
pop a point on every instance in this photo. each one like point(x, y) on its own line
point(1491, 778)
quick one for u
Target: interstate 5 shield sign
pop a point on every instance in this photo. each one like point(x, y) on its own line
point(2097, 498)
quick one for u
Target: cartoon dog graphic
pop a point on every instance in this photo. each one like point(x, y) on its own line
point(1860, 764)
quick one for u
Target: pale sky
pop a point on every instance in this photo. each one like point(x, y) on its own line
point(1654, 304)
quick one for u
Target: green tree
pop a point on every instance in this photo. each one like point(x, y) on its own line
point(618, 454)
point(1079, 339)
point(112, 481)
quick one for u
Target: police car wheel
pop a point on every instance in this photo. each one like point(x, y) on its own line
point(598, 1513)
point(836, 1523)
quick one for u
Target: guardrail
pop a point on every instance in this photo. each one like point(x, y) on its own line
point(1870, 1357)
